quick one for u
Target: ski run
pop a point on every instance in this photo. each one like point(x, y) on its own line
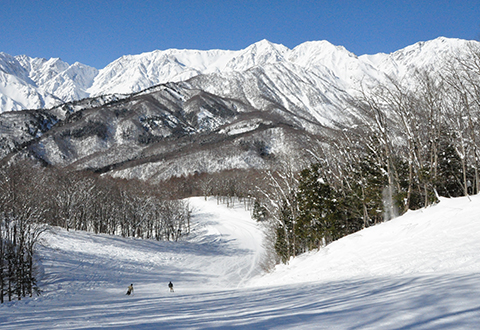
point(418, 271)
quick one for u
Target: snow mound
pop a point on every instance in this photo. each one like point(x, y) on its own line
point(441, 239)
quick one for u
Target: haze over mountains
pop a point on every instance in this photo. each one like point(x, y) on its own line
point(177, 112)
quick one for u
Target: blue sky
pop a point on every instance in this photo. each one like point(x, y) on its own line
point(98, 32)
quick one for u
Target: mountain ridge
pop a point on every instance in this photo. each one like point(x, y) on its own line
point(243, 110)
point(42, 83)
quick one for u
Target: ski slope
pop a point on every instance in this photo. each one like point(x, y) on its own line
point(419, 271)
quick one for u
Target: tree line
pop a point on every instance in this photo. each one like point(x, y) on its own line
point(32, 197)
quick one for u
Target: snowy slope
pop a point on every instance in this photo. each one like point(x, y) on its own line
point(442, 239)
point(419, 271)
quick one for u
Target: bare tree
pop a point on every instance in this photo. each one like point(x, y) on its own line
point(462, 75)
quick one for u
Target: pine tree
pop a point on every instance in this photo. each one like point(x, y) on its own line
point(319, 221)
point(449, 179)
point(286, 245)
point(259, 211)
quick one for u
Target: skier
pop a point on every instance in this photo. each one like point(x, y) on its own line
point(170, 285)
point(130, 290)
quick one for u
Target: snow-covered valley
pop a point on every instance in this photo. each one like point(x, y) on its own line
point(418, 271)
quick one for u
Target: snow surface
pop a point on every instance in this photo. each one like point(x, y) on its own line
point(419, 271)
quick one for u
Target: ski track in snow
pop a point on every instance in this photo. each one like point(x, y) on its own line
point(419, 271)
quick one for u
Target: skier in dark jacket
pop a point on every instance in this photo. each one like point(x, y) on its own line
point(170, 285)
point(130, 290)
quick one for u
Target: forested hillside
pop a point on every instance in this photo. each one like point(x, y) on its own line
point(411, 141)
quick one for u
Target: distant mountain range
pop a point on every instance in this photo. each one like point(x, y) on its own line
point(33, 83)
point(177, 112)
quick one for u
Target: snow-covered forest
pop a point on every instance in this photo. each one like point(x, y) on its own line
point(410, 143)
point(33, 198)
point(405, 143)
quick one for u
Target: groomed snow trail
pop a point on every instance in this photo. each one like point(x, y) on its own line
point(222, 252)
point(419, 271)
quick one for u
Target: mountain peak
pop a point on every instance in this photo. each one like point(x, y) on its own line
point(266, 46)
point(132, 73)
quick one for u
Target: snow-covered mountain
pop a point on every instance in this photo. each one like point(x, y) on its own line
point(418, 271)
point(211, 116)
point(131, 74)
point(169, 130)
point(430, 55)
point(30, 83)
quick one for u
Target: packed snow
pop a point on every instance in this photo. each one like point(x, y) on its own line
point(418, 271)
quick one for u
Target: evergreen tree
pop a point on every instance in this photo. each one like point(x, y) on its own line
point(285, 244)
point(319, 220)
point(259, 211)
point(449, 179)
